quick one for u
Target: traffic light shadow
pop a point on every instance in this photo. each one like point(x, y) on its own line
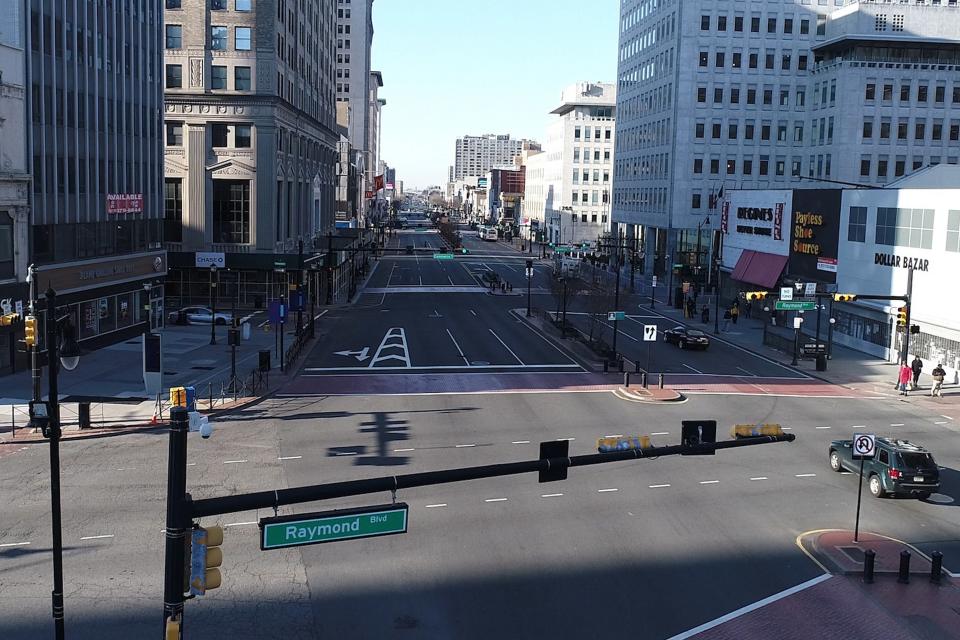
point(949, 494)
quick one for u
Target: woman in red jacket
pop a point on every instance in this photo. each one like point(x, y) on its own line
point(906, 374)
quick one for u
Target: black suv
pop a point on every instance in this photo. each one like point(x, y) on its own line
point(899, 467)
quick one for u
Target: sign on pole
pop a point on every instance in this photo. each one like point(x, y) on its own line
point(864, 446)
point(443, 256)
point(786, 293)
point(330, 526)
point(795, 305)
point(530, 272)
point(811, 289)
point(616, 315)
point(654, 282)
point(649, 333)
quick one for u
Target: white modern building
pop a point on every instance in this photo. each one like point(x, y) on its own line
point(475, 155)
point(775, 94)
point(354, 42)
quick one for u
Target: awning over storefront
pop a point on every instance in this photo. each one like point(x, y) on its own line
point(759, 268)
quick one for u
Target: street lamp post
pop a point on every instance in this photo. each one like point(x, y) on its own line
point(213, 304)
point(529, 279)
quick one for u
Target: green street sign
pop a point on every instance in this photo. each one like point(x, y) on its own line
point(616, 315)
point(443, 256)
point(563, 249)
point(795, 305)
point(330, 526)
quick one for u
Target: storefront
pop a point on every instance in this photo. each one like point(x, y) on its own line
point(110, 299)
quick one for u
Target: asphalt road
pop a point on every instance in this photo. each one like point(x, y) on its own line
point(666, 544)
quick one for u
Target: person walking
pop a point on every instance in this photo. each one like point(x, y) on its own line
point(726, 319)
point(906, 373)
point(705, 314)
point(916, 366)
point(938, 376)
point(735, 313)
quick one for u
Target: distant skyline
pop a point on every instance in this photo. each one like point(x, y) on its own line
point(447, 74)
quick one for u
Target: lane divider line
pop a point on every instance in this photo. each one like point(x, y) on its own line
point(551, 495)
point(289, 457)
point(520, 442)
point(495, 500)
point(234, 461)
point(658, 486)
point(13, 544)
point(101, 537)
point(805, 475)
point(606, 490)
point(759, 478)
point(434, 506)
point(240, 524)
point(709, 482)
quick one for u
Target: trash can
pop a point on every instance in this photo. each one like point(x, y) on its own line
point(821, 362)
point(265, 360)
point(83, 413)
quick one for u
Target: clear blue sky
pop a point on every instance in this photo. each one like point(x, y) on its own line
point(453, 68)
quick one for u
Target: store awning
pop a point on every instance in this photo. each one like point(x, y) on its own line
point(759, 268)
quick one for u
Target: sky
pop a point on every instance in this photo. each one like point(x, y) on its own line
point(453, 68)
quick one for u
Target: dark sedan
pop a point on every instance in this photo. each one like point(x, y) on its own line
point(686, 338)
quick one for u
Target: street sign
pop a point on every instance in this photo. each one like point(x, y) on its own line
point(530, 273)
point(443, 256)
point(297, 301)
point(563, 249)
point(811, 289)
point(277, 312)
point(279, 266)
point(654, 282)
point(786, 293)
point(799, 305)
point(330, 526)
point(616, 315)
point(864, 446)
point(649, 333)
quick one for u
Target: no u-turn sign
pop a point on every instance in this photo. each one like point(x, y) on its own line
point(864, 446)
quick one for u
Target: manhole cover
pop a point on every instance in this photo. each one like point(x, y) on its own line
point(479, 363)
point(854, 553)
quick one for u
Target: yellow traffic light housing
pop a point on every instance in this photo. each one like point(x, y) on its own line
point(205, 557)
point(844, 297)
point(902, 317)
point(756, 295)
point(30, 331)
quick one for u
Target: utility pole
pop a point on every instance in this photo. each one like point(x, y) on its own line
point(53, 404)
point(529, 279)
point(716, 298)
point(213, 304)
point(34, 349)
point(177, 528)
point(616, 307)
point(905, 354)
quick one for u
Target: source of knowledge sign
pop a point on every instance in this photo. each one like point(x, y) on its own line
point(330, 526)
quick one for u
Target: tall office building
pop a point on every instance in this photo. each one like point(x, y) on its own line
point(354, 41)
point(475, 155)
point(95, 103)
point(769, 95)
point(251, 141)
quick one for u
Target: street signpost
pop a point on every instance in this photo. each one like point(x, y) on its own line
point(864, 447)
point(330, 526)
point(616, 315)
point(563, 250)
point(795, 305)
point(653, 291)
point(649, 333)
point(786, 293)
point(811, 289)
point(443, 256)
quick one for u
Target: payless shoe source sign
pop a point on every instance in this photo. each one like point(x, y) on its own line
point(815, 235)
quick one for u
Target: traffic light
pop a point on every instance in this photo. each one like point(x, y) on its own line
point(205, 557)
point(844, 297)
point(902, 316)
point(30, 331)
point(756, 295)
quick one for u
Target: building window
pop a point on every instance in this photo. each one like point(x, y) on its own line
point(172, 4)
point(704, 23)
point(231, 211)
point(738, 23)
point(218, 134)
point(701, 94)
point(922, 93)
point(241, 78)
point(174, 36)
point(695, 201)
point(243, 5)
point(865, 166)
point(720, 58)
point(218, 38)
point(174, 134)
point(857, 229)
point(871, 92)
point(953, 231)
point(755, 24)
point(173, 209)
point(174, 76)
point(698, 132)
point(218, 77)
point(905, 227)
point(242, 136)
point(721, 23)
point(704, 59)
point(218, 5)
point(698, 165)
point(243, 38)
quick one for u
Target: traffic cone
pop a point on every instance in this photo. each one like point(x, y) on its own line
point(153, 420)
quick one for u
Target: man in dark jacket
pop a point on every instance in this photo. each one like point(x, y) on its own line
point(916, 366)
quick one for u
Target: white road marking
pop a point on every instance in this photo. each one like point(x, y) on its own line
point(459, 350)
point(234, 461)
point(616, 435)
point(821, 427)
point(239, 524)
point(403, 450)
point(606, 490)
point(760, 478)
point(787, 428)
point(551, 495)
point(463, 446)
point(455, 367)
point(13, 544)
point(896, 424)
point(346, 453)
point(709, 482)
point(433, 506)
point(191, 464)
point(692, 369)
point(747, 372)
point(947, 417)
point(289, 457)
point(544, 338)
point(660, 433)
point(106, 535)
point(451, 281)
point(495, 500)
point(520, 442)
point(658, 486)
point(567, 439)
point(941, 422)
point(505, 346)
point(806, 475)
point(394, 333)
point(473, 312)
point(859, 426)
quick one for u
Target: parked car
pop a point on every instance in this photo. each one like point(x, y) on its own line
point(686, 338)
point(898, 467)
point(198, 315)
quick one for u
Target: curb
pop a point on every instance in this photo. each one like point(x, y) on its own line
point(808, 542)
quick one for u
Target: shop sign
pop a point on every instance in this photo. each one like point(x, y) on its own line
point(815, 234)
point(79, 276)
point(124, 203)
point(205, 260)
point(904, 262)
point(759, 221)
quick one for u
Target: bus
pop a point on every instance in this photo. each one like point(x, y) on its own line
point(487, 233)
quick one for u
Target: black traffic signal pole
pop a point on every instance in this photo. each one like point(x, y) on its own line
point(178, 519)
point(53, 402)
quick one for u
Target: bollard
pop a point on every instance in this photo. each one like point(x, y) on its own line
point(636, 367)
point(620, 365)
point(936, 566)
point(903, 576)
point(869, 559)
point(626, 379)
point(661, 380)
point(643, 379)
point(606, 366)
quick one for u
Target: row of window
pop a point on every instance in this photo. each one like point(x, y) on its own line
point(607, 133)
point(880, 168)
point(586, 176)
point(901, 227)
point(648, 200)
point(921, 92)
point(721, 23)
point(69, 241)
point(218, 77)
point(819, 166)
point(219, 37)
point(735, 94)
point(237, 136)
point(886, 129)
point(586, 157)
point(592, 197)
point(766, 131)
point(215, 5)
point(770, 60)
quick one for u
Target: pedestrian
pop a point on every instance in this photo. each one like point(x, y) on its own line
point(938, 375)
point(691, 308)
point(705, 314)
point(748, 308)
point(905, 374)
point(735, 312)
point(916, 366)
point(726, 319)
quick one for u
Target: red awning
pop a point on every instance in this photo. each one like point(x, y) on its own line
point(757, 267)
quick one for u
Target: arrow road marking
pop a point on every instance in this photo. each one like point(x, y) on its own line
point(361, 355)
